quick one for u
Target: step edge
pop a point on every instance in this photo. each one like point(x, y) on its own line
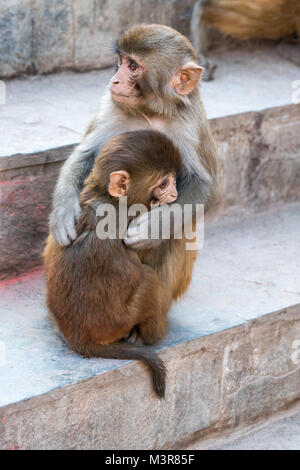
point(53, 155)
point(54, 393)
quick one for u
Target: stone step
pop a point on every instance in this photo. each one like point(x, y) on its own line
point(280, 432)
point(232, 352)
point(47, 112)
point(254, 122)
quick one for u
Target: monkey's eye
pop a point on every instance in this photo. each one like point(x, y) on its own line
point(164, 183)
point(133, 66)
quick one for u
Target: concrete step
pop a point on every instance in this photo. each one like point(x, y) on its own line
point(45, 116)
point(281, 432)
point(232, 352)
point(54, 110)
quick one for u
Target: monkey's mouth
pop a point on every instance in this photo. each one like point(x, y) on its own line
point(122, 98)
point(119, 94)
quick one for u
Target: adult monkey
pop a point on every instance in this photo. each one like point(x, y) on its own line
point(155, 86)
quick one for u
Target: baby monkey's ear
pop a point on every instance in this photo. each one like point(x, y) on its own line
point(119, 183)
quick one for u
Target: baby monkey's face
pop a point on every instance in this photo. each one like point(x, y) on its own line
point(165, 191)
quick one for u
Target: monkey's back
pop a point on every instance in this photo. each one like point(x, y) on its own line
point(89, 287)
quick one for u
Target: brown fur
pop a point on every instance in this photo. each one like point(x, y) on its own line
point(172, 262)
point(98, 290)
point(164, 54)
point(253, 19)
point(242, 20)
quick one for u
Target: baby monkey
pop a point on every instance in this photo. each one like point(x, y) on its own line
point(98, 290)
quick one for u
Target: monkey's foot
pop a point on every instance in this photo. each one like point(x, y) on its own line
point(133, 337)
point(209, 68)
point(290, 52)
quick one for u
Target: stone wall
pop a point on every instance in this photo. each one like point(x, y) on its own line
point(41, 36)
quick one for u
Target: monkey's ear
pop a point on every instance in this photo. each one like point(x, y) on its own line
point(118, 183)
point(186, 80)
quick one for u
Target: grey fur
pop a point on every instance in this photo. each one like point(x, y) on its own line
point(188, 130)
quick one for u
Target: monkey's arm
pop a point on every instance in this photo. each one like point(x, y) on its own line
point(194, 187)
point(66, 208)
point(192, 190)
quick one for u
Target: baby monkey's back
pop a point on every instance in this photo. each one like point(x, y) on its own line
point(97, 289)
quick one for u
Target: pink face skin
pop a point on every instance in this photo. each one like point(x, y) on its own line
point(166, 192)
point(123, 85)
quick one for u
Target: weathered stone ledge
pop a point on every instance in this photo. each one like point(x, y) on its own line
point(217, 382)
point(231, 352)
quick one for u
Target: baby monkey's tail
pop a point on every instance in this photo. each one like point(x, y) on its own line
point(130, 351)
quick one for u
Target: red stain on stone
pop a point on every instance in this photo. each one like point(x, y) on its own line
point(3, 420)
point(23, 277)
point(12, 447)
point(13, 182)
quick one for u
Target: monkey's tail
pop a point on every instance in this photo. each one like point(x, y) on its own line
point(130, 351)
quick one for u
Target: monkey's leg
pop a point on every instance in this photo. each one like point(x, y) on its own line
point(173, 264)
point(199, 38)
point(177, 269)
point(289, 49)
point(151, 304)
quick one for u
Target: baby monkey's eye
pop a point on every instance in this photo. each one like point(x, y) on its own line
point(164, 183)
point(133, 66)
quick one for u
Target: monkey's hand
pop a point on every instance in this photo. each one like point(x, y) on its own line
point(149, 229)
point(63, 218)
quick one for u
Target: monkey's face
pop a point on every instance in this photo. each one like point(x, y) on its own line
point(165, 191)
point(156, 70)
point(141, 165)
point(124, 86)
